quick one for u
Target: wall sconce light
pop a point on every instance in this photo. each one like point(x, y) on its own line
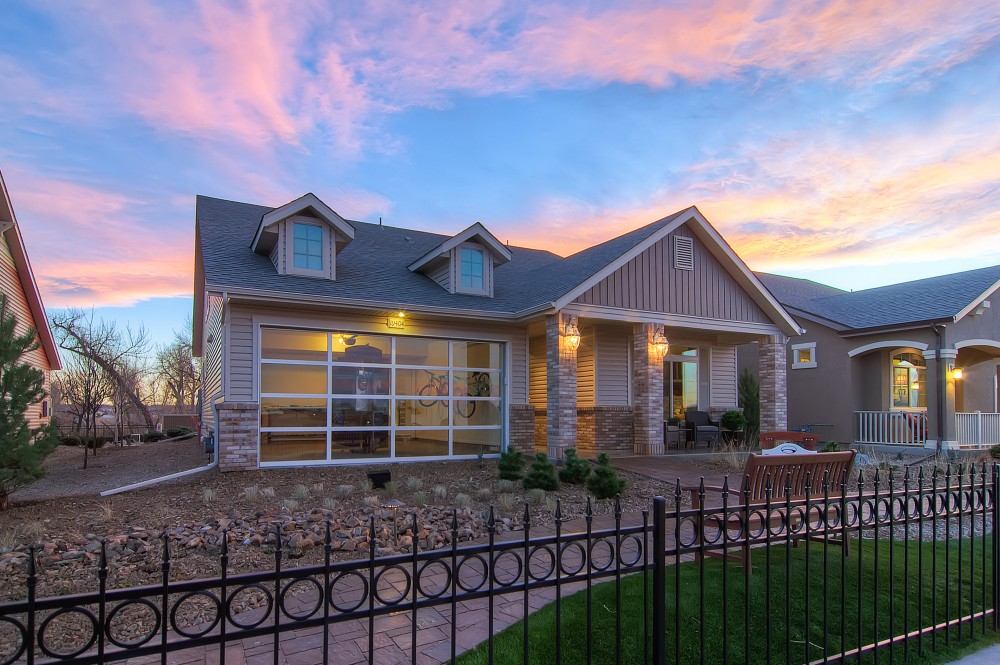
point(956, 372)
point(572, 334)
point(915, 385)
point(660, 343)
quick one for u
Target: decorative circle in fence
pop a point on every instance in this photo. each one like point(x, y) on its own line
point(341, 586)
point(423, 576)
point(89, 625)
point(624, 548)
point(20, 645)
point(191, 598)
point(298, 589)
point(384, 582)
point(581, 558)
point(506, 578)
point(265, 611)
point(597, 563)
point(129, 620)
point(534, 563)
point(463, 582)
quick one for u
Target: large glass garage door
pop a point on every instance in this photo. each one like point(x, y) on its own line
point(338, 396)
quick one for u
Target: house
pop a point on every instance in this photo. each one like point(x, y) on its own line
point(17, 283)
point(907, 364)
point(326, 340)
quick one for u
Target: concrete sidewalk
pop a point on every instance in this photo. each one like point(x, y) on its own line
point(988, 656)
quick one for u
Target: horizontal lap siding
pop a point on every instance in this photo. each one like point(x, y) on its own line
point(519, 369)
point(650, 283)
point(242, 370)
point(17, 304)
point(211, 367)
point(537, 372)
point(585, 369)
point(612, 367)
point(724, 391)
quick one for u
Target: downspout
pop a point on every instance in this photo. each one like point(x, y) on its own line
point(942, 385)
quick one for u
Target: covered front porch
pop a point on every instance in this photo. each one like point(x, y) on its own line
point(926, 395)
point(599, 383)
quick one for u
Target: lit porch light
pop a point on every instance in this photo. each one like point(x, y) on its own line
point(571, 334)
point(660, 343)
point(958, 373)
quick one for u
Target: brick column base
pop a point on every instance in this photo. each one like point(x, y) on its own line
point(522, 428)
point(237, 431)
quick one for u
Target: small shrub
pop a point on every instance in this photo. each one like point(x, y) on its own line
point(301, 492)
point(483, 493)
point(251, 493)
point(551, 504)
point(153, 437)
point(413, 483)
point(576, 470)
point(995, 452)
point(178, 431)
point(71, 440)
point(462, 501)
point(507, 503)
point(830, 447)
point(542, 475)
point(604, 483)
point(391, 489)
point(367, 486)
point(107, 509)
point(208, 495)
point(536, 496)
point(734, 421)
point(419, 499)
point(291, 505)
point(267, 492)
point(511, 464)
point(505, 486)
point(330, 503)
point(344, 491)
point(317, 488)
point(440, 492)
point(372, 501)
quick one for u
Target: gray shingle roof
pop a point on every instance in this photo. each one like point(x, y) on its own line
point(373, 267)
point(931, 299)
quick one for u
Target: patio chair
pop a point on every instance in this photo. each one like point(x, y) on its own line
point(777, 468)
point(701, 428)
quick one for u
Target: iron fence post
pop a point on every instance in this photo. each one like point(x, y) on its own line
point(660, 580)
point(32, 583)
point(996, 546)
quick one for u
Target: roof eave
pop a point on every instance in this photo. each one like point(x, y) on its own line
point(893, 327)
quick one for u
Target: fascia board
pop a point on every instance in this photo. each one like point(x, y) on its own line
point(975, 303)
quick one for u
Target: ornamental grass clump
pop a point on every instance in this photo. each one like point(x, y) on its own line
point(511, 464)
point(542, 475)
point(604, 482)
point(576, 470)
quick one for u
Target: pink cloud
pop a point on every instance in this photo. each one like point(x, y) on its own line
point(89, 246)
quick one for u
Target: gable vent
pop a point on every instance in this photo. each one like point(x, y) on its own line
point(683, 253)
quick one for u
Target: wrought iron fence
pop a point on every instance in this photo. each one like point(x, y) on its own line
point(845, 573)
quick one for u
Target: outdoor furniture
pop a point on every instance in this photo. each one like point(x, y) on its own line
point(779, 470)
point(805, 439)
point(673, 434)
point(701, 428)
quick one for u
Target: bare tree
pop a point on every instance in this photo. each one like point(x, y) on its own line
point(118, 353)
point(177, 372)
point(83, 388)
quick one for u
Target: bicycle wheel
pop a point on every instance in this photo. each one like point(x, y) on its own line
point(465, 408)
point(431, 390)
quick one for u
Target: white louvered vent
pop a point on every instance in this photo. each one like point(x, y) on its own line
point(683, 253)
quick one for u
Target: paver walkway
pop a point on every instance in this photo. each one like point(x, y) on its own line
point(392, 634)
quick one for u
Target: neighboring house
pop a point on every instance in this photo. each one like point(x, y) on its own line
point(331, 341)
point(24, 301)
point(906, 364)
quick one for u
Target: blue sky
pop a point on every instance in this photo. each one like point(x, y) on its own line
point(855, 143)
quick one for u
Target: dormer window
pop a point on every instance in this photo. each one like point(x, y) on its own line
point(308, 247)
point(472, 270)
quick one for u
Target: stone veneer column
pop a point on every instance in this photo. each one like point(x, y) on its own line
point(522, 428)
point(560, 388)
point(773, 371)
point(647, 382)
point(237, 432)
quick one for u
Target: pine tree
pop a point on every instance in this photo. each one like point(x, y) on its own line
point(576, 470)
point(542, 475)
point(604, 482)
point(22, 450)
point(511, 464)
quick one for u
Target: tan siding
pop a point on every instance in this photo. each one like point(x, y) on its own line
point(519, 369)
point(242, 370)
point(17, 304)
point(612, 349)
point(723, 377)
point(537, 372)
point(585, 369)
point(650, 283)
point(211, 366)
point(442, 275)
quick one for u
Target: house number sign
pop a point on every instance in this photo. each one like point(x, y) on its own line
point(395, 323)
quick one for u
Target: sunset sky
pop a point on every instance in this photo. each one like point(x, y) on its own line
point(855, 143)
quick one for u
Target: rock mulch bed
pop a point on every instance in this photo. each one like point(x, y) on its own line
point(250, 506)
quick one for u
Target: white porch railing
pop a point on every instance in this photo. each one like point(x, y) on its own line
point(979, 430)
point(892, 428)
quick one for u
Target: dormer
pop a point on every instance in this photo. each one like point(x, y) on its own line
point(303, 237)
point(464, 263)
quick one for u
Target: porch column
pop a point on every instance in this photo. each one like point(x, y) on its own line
point(647, 385)
point(773, 371)
point(936, 367)
point(560, 388)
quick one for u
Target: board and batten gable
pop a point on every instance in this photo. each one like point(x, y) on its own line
point(245, 320)
point(17, 304)
point(650, 282)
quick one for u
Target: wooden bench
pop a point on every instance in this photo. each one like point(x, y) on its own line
point(783, 471)
point(805, 439)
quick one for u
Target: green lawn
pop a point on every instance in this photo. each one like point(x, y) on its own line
point(908, 588)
